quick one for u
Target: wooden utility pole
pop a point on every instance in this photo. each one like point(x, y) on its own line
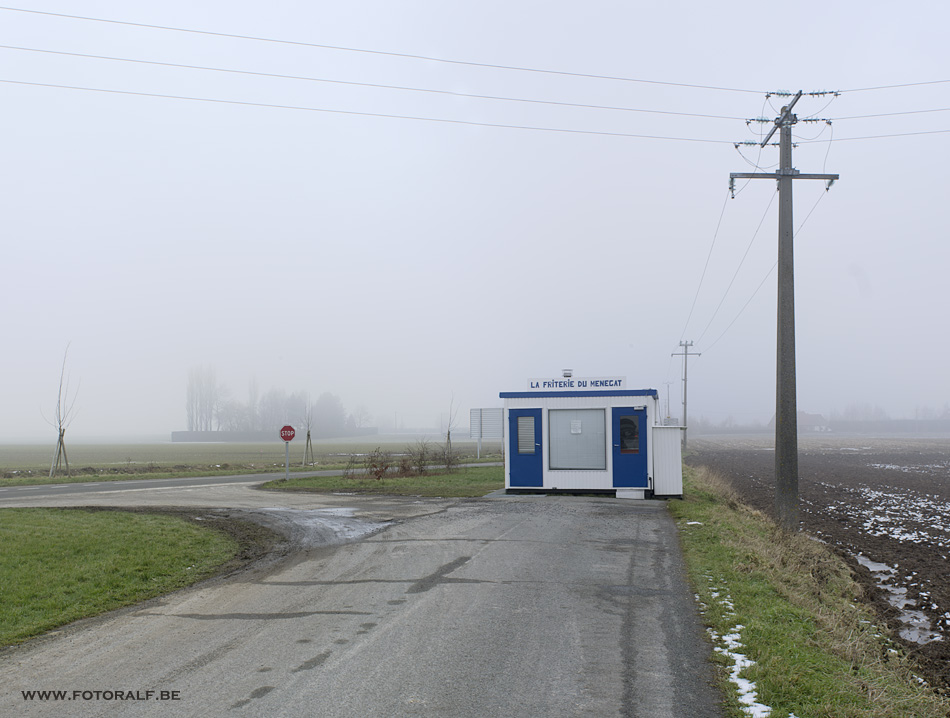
point(668, 384)
point(786, 410)
point(685, 354)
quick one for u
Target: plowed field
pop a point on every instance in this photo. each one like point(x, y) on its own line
point(884, 504)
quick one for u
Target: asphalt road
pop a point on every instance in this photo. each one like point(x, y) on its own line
point(505, 606)
point(16, 495)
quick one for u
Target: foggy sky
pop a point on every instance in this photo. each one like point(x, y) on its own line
point(402, 264)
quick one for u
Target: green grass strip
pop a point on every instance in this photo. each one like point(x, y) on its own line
point(797, 611)
point(60, 565)
point(467, 481)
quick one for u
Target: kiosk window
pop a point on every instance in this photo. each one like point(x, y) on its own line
point(578, 439)
point(525, 434)
point(629, 434)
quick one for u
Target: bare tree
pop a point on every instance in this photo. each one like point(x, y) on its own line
point(63, 418)
point(329, 416)
point(361, 417)
point(308, 449)
point(451, 423)
point(448, 455)
point(253, 402)
point(205, 397)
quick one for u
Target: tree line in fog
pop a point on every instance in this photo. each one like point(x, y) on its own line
point(209, 406)
point(856, 417)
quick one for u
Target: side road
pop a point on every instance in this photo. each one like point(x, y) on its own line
point(518, 606)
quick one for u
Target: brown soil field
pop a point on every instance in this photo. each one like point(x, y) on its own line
point(882, 504)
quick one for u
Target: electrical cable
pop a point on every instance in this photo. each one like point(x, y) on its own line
point(829, 104)
point(706, 349)
point(754, 165)
point(880, 137)
point(764, 279)
point(891, 87)
point(741, 261)
point(706, 266)
point(364, 114)
point(893, 114)
point(410, 56)
point(758, 158)
point(361, 84)
point(798, 138)
point(824, 165)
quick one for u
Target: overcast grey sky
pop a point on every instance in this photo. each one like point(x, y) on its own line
point(400, 262)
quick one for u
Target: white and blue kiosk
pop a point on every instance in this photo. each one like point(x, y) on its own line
point(589, 435)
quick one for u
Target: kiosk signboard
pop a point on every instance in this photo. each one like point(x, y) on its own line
point(593, 383)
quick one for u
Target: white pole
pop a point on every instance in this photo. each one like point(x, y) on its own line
point(287, 460)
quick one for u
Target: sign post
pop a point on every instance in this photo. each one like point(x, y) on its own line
point(287, 433)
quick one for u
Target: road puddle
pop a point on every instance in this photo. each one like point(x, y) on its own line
point(310, 528)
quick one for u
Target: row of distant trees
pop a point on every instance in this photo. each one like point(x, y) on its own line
point(873, 412)
point(210, 406)
point(854, 417)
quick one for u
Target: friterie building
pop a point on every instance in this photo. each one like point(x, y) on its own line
point(576, 434)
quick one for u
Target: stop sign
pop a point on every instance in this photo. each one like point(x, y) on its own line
point(287, 433)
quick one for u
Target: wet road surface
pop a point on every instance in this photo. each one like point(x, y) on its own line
point(507, 606)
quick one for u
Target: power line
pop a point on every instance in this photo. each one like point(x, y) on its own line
point(743, 308)
point(361, 84)
point(877, 137)
point(749, 162)
point(810, 141)
point(764, 279)
point(892, 87)
point(364, 114)
point(385, 53)
point(428, 119)
point(824, 164)
point(741, 262)
point(705, 266)
point(799, 138)
point(830, 102)
point(892, 114)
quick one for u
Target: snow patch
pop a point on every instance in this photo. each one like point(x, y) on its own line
point(731, 643)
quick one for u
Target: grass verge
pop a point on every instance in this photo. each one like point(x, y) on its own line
point(463, 482)
point(60, 565)
point(30, 464)
point(789, 605)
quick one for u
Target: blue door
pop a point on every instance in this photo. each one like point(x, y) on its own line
point(524, 448)
point(629, 434)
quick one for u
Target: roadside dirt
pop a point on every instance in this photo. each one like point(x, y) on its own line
point(266, 536)
point(887, 500)
point(256, 542)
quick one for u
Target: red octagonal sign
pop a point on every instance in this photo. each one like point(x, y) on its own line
point(287, 433)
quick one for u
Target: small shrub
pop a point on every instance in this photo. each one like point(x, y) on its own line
point(352, 464)
point(450, 458)
point(420, 455)
point(378, 463)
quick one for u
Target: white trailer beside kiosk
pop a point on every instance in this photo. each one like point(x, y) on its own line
point(590, 435)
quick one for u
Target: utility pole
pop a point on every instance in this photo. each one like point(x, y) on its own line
point(786, 410)
point(668, 383)
point(685, 354)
